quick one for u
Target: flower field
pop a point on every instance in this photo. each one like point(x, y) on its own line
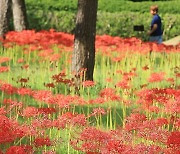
point(131, 107)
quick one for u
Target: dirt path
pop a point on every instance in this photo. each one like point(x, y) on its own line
point(173, 41)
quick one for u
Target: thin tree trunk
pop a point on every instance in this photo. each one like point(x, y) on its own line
point(4, 16)
point(84, 43)
point(19, 15)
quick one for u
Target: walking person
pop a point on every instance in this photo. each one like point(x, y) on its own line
point(155, 32)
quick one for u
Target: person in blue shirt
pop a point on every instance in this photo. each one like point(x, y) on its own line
point(155, 32)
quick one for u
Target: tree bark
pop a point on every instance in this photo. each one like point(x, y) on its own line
point(19, 15)
point(84, 43)
point(4, 16)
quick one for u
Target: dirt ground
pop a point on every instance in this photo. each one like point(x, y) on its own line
point(173, 41)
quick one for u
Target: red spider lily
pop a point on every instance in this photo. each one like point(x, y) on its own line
point(145, 67)
point(99, 100)
point(154, 134)
point(88, 83)
point(46, 110)
point(24, 80)
point(9, 130)
point(124, 84)
point(38, 142)
point(30, 112)
point(98, 111)
point(22, 149)
point(63, 120)
point(42, 123)
point(49, 152)
point(24, 91)
point(141, 148)
point(109, 93)
point(78, 120)
point(4, 59)
point(93, 140)
point(134, 121)
point(8, 88)
point(4, 69)
point(157, 77)
point(114, 146)
point(174, 140)
point(170, 80)
point(54, 57)
point(50, 85)
point(42, 95)
point(2, 111)
point(20, 60)
point(26, 66)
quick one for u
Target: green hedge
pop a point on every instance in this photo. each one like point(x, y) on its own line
point(171, 6)
point(115, 24)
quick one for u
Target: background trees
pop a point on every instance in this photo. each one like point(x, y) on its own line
point(19, 15)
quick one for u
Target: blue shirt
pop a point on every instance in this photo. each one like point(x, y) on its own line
point(156, 20)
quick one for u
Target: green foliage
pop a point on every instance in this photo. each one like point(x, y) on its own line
point(115, 18)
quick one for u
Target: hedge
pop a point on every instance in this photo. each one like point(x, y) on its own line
point(171, 6)
point(114, 24)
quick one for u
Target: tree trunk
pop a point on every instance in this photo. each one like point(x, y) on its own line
point(84, 43)
point(4, 16)
point(19, 15)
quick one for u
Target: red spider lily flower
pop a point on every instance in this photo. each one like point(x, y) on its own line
point(161, 121)
point(8, 88)
point(134, 121)
point(2, 111)
point(22, 149)
point(4, 59)
point(88, 83)
point(107, 92)
point(26, 66)
point(99, 100)
point(109, 80)
point(154, 109)
point(49, 152)
point(114, 146)
point(92, 140)
point(177, 123)
point(24, 80)
point(42, 123)
point(30, 112)
point(152, 149)
point(42, 95)
point(98, 111)
point(54, 57)
point(46, 110)
point(38, 142)
point(157, 77)
point(4, 69)
point(170, 80)
point(79, 120)
point(124, 84)
point(20, 60)
point(24, 91)
point(145, 67)
point(50, 85)
point(63, 120)
point(174, 140)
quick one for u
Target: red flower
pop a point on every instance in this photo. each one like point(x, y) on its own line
point(30, 112)
point(23, 149)
point(157, 77)
point(88, 83)
point(8, 88)
point(38, 142)
point(174, 140)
